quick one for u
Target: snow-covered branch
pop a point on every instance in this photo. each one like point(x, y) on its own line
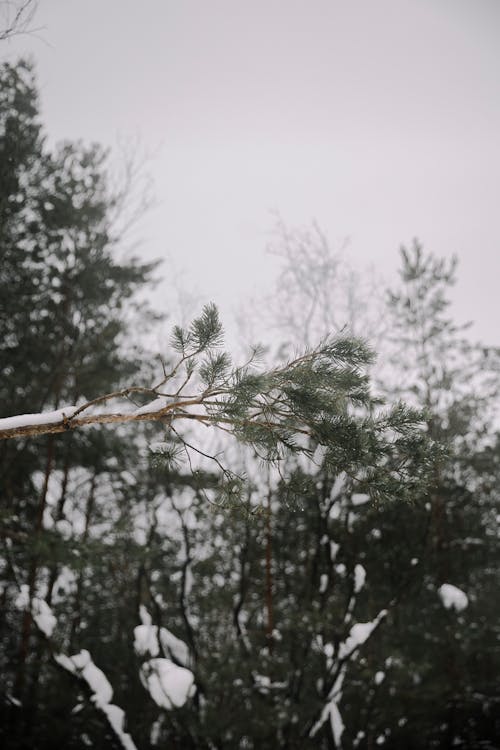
point(347, 650)
point(168, 683)
point(80, 665)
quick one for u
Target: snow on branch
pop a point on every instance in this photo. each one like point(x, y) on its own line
point(283, 402)
point(452, 597)
point(347, 650)
point(40, 610)
point(80, 665)
point(168, 684)
point(319, 399)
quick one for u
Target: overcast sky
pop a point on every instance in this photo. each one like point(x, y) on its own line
point(381, 120)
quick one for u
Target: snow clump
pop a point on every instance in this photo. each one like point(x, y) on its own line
point(452, 597)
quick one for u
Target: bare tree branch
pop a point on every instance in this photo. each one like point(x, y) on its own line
point(16, 17)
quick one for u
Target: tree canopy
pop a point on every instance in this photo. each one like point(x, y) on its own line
point(198, 553)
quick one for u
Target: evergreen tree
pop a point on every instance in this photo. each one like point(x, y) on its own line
point(61, 328)
point(439, 687)
point(285, 598)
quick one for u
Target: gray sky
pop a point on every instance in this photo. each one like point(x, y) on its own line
point(379, 119)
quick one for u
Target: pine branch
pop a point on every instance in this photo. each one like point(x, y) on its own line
point(312, 400)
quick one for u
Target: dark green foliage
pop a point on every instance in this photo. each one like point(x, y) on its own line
point(61, 340)
point(256, 561)
point(215, 369)
point(438, 691)
point(319, 399)
point(204, 333)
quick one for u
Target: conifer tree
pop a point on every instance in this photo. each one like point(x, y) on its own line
point(133, 544)
point(443, 653)
point(61, 296)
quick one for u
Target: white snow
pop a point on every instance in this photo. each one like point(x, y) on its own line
point(65, 584)
point(189, 579)
point(379, 678)
point(360, 736)
point(116, 718)
point(47, 520)
point(95, 678)
point(146, 618)
point(359, 578)
point(40, 611)
point(64, 528)
point(264, 684)
point(359, 634)
point(156, 405)
point(335, 511)
point(338, 486)
point(155, 732)
point(98, 683)
point(331, 711)
point(169, 685)
point(146, 643)
point(323, 583)
point(81, 665)
point(146, 640)
point(334, 548)
point(319, 455)
point(177, 649)
point(329, 650)
point(360, 499)
point(159, 447)
point(43, 617)
point(452, 597)
point(336, 723)
point(22, 599)
point(29, 420)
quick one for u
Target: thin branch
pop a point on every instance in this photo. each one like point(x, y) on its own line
point(20, 20)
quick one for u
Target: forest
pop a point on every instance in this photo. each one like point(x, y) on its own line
point(296, 549)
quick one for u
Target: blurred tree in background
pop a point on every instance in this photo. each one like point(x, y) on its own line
point(16, 17)
point(444, 661)
point(62, 298)
point(344, 596)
